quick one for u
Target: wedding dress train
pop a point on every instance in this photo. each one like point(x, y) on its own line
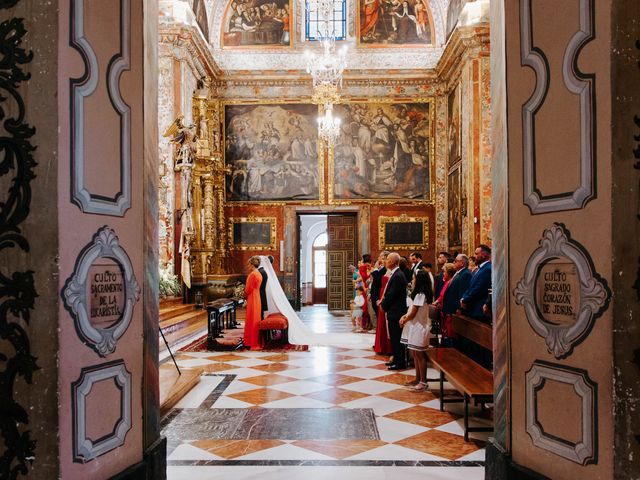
point(299, 333)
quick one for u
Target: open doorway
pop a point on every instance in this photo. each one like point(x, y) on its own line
point(313, 256)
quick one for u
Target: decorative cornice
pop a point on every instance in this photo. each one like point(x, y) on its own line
point(465, 43)
point(190, 38)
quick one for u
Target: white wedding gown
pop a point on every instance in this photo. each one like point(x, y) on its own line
point(299, 333)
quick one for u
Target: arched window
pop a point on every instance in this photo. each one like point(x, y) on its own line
point(339, 20)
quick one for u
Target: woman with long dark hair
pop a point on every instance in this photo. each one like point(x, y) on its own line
point(416, 327)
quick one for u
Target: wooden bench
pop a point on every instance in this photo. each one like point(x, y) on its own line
point(474, 382)
point(217, 312)
point(275, 321)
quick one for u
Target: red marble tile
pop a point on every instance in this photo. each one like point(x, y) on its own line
point(339, 449)
point(235, 448)
point(426, 417)
point(441, 444)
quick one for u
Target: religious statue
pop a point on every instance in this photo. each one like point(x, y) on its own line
point(186, 141)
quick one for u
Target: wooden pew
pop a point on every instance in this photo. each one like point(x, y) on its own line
point(474, 382)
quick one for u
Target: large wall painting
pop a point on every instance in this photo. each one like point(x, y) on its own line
point(384, 153)
point(385, 23)
point(454, 196)
point(272, 152)
point(257, 23)
point(454, 122)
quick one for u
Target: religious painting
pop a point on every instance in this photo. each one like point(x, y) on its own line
point(454, 126)
point(454, 201)
point(252, 233)
point(271, 152)
point(385, 23)
point(406, 233)
point(383, 153)
point(257, 23)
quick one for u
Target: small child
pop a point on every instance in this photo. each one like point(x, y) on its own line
point(357, 312)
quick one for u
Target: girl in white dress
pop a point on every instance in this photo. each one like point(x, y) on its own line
point(416, 327)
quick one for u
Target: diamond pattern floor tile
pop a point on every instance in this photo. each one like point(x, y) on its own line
point(235, 448)
point(442, 444)
point(260, 396)
point(427, 417)
point(339, 448)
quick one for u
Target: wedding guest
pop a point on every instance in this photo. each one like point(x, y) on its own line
point(439, 280)
point(406, 270)
point(416, 260)
point(473, 266)
point(263, 292)
point(449, 270)
point(373, 294)
point(382, 344)
point(476, 295)
point(357, 312)
point(254, 307)
point(451, 299)
point(394, 304)
point(416, 327)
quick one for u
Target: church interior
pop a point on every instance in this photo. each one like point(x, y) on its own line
point(197, 194)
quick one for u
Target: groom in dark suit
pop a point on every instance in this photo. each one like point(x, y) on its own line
point(263, 291)
point(394, 303)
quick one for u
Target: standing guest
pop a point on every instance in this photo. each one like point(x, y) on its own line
point(451, 299)
point(476, 295)
point(416, 327)
point(449, 270)
point(365, 272)
point(357, 312)
point(377, 273)
point(416, 259)
point(427, 267)
point(473, 266)
point(263, 292)
point(394, 304)
point(382, 344)
point(439, 281)
point(406, 270)
point(254, 307)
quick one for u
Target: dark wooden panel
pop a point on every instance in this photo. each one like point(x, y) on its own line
point(341, 253)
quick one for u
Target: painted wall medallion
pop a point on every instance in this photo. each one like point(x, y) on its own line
point(102, 292)
point(85, 448)
point(583, 451)
point(560, 291)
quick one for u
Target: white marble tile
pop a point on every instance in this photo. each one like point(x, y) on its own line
point(365, 372)
point(238, 386)
point(358, 353)
point(252, 354)
point(194, 362)
point(297, 402)
point(393, 430)
point(323, 473)
point(248, 362)
point(303, 373)
point(189, 452)
point(360, 362)
point(310, 362)
point(229, 402)
point(456, 427)
point(203, 354)
point(435, 403)
point(300, 387)
point(477, 456)
point(372, 387)
point(285, 452)
point(242, 372)
point(380, 405)
point(395, 452)
point(197, 394)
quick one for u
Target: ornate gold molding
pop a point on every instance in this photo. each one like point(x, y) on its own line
point(272, 245)
point(382, 225)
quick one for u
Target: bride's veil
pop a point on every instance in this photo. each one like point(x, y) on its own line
point(299, 333)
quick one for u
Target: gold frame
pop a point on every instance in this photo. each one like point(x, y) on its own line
point(251, 48)
point(431, 101)
point(456, 167)
point(359, 44)
point(272, 245)
point(382, 222)
point(456, 92)
point(273, 203)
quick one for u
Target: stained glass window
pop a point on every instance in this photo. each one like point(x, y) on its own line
point(339, 21)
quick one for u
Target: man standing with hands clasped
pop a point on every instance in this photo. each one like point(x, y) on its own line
point(394, 303)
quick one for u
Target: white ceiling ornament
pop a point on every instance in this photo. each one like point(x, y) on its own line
point(241, 61)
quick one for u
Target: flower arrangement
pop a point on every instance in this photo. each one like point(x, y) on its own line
point(169, 284)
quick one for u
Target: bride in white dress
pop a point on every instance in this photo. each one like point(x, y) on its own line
point(299, 333)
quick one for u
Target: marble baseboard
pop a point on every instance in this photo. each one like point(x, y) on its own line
point(325, 463)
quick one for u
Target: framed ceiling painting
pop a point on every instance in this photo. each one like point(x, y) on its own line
point(402, 232)
point(272, 154)
point(389, 23)
point(252, 233)
point(384, 153)
point(257, 24)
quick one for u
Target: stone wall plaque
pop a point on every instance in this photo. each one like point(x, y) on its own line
point(560, 291)
point(101, 292)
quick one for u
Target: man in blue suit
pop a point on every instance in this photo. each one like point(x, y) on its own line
point(476, 295)
point(458, 286)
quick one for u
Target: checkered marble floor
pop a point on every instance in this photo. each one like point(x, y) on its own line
point(230, 424)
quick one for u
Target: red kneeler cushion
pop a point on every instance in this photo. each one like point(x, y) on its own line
point(275, 321)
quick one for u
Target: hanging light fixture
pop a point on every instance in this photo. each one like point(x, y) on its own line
point(326, 70)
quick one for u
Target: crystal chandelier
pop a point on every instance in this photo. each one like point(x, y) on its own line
point(326, 70)
point(328, 125)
